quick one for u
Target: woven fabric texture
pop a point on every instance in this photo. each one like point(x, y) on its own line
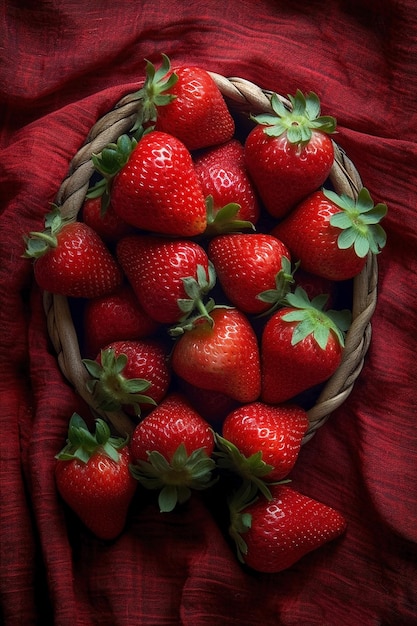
point(62, 66)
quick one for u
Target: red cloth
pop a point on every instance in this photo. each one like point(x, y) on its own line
point(63, 65)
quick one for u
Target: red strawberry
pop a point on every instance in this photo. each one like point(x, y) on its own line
point(301, 347)
point(331, 235)
point(71, 259)
point(92, 475)
point(230, 195)
point(289, 153)
point(172, 450)
point(187, 104)
point(247, 265)
point(124, 370)
point(104, 221)
point(221, 355)
point(114, 317)
point(262, 442)
point(170, 277)
point(152, 184)
point(273, 535)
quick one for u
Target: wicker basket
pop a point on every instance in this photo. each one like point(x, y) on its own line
point(242, 97)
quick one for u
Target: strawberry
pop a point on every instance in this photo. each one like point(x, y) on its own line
point(124, 370)
point(230, 196)
point(247, 265)
point(169, 276)
point(261, 442)
point(289, 154)
point(152, 184)
point(213, 406)
point(220, 355)
point(272, 535)
point(301, 346)
point(185, 103)
point(71, 259)
point(332, 234)
point(172, 449)
point(315, 285)
point(92, 476)
point(105, 222)
point(114, 317)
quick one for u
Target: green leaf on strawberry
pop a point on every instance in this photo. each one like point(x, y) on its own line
point(283, 281)
point(297, 122)
point(224, 220)
point(251, 469)
point(175, 479)
point(359, 222)
point(313, 320)
point(196, 289)
point(154, 92)
point(108, 163)
point(110, 388)
point(82, 444)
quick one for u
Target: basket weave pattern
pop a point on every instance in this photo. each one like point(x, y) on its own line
point(242, 97)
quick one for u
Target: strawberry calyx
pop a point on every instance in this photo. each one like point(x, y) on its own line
point(108, 163)
point(252, 469)
point(154, 92)
point(110, 389)
point(223, 220)
point(298, 121)
point(196, 289)
point(312, 319)
point(175, 479)
point(240, 521)
point(39, 243)
point(359, 222)
point(284, 279)
point(82, 444)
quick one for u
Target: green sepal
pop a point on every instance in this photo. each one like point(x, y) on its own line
point(298, 121)
point(251, 469)
point(177, 478)
point(241, 521)
point(82, 444)
point(110, 389)
point(313, 320)
point(284, 279)
point(155, 92)
point(108, 163)
point(359, 222)
point(189, 322)
point(224, 220)
point(39, 243)
point(196, 289)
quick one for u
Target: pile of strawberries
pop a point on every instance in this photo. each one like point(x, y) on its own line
point(208, 267)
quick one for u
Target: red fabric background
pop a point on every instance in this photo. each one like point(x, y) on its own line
point(65, 63)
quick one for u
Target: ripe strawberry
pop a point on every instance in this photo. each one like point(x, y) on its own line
point(221, 355)
point(92, 475)
point(114, 317)
point(152, 184)
point(124, 370)
point(104, 221)
point(213, 406)
point(71, 259)
point(172, 450)
point(301, 346)
point(169, 276)
point(273, 535)
point(230, 195)
point(261, 442)
point(185, 103)
point(289, 153)
point(331, 235)
point(247, 265)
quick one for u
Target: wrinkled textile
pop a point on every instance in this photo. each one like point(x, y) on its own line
point(62, 66)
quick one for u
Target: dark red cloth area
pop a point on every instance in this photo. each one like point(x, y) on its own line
point(62, 66)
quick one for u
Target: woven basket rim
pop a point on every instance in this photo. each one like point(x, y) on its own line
point(243, 97)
